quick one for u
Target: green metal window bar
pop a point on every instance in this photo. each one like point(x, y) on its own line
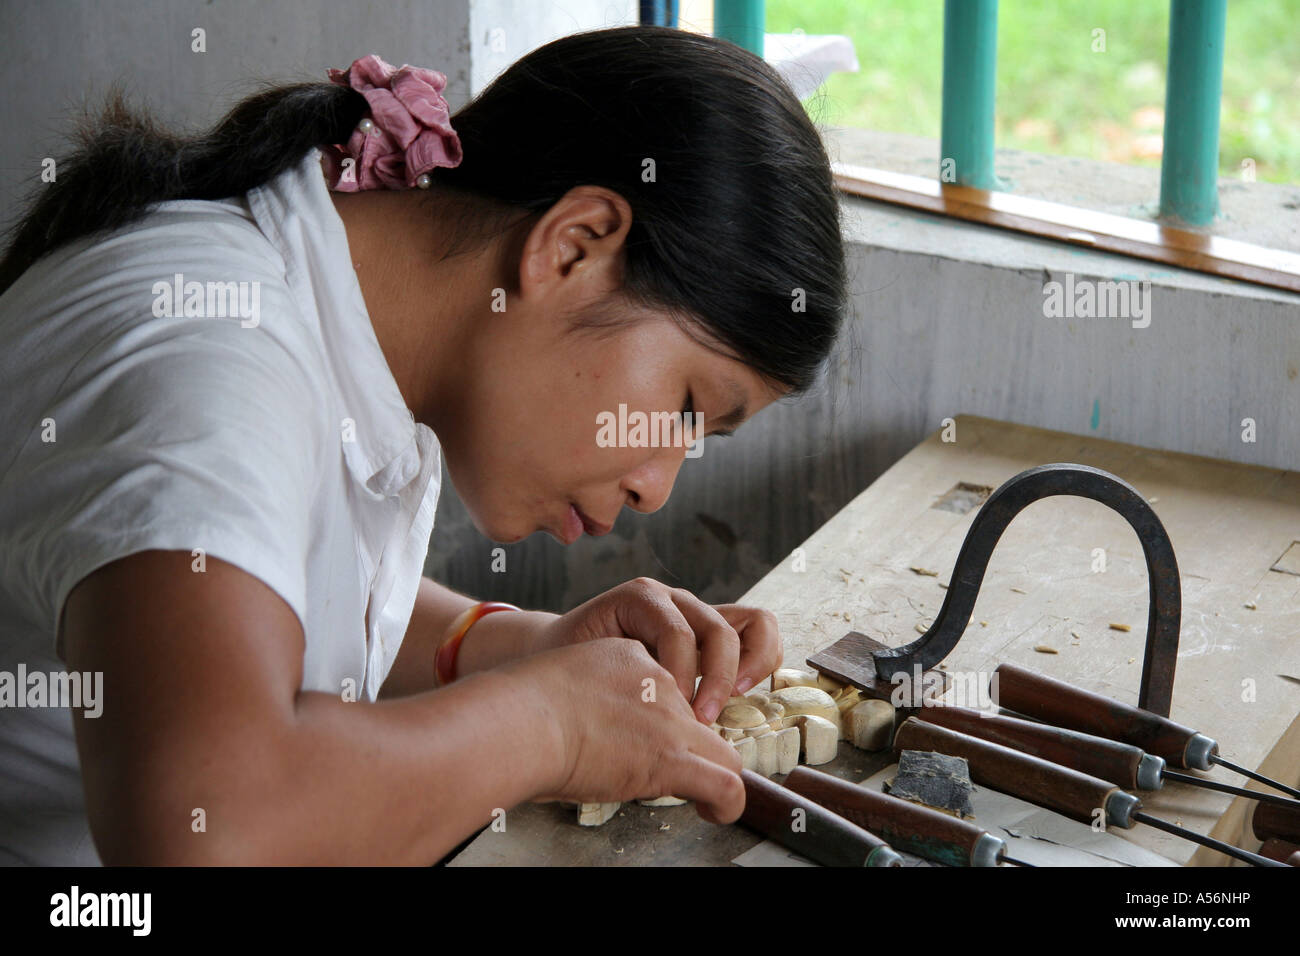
point(1189, 169)
point(1190, 164)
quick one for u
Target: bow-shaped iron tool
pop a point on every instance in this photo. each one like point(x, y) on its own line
point(866, 663)
point(874, 667)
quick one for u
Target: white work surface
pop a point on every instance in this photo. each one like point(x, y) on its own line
point(1238, 672)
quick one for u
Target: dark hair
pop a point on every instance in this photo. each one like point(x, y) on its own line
point(736, 226)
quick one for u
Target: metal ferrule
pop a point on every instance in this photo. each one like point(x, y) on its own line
point(1151, 769)
point(883, 856)
point(1198, 751)
point(1120, 807)
point(987, 850)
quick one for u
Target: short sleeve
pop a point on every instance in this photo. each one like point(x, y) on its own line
point(200, 435)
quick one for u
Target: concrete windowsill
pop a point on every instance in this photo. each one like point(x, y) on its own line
point(1265, 214)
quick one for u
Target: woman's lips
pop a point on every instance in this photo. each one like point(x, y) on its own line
point(577, 522)
point(590, 525)
point(573, 526)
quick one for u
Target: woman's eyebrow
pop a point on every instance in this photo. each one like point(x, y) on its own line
point(732, 419)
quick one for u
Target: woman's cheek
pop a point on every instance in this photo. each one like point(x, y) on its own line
point(584, 449)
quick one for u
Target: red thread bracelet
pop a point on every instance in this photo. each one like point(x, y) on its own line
point(444, 660)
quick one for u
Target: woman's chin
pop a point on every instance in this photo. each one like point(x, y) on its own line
point(501, 533)
point(505, 529)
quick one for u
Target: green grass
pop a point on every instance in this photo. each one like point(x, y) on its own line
point(1054, 93)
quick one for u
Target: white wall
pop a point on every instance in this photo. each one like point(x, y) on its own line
point(57, 56)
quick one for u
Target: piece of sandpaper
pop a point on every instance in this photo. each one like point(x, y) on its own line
point(934, 780)
point(1033, 834)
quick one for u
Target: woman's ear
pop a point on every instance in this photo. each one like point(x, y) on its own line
point(577, 247)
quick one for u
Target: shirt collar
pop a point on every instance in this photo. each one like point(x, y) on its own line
point(378, 431)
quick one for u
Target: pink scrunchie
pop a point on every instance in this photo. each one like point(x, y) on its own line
point(411, 132)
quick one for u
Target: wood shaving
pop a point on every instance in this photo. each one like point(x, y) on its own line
point(1044, 649)
point(1120, 627)
point(1020, 590)
point(924, 571)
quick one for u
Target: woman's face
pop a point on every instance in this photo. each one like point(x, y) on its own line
point(546, 438)
point(538, 419)
point(538, 413)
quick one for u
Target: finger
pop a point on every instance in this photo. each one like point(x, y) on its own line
point(714, 747)
point(647, 677)
point(719, 654)
point(717, 789)
point(649, 615)
point(760, 643)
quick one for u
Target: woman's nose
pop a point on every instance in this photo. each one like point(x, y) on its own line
point(650, 483)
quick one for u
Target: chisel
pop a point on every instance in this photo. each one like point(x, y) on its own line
point(1076, 795)
point(1281, 850)
point(1280, 823)
point(1120, 763)
point(1065, 705)
point(809, 829)
point(909, 827)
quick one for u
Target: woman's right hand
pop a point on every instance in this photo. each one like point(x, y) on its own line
point(625, 732)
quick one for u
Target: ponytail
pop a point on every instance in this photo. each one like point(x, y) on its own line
point(124, 162)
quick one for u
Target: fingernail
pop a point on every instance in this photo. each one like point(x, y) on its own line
point(744, 684)
point(711, 710)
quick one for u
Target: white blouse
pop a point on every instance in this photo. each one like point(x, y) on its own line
point(206, 380)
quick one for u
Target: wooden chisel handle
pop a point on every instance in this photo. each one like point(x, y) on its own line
point(1272, 820)
point(1069, 792)
point(1065, 705)
point(908, 826)
point(1120, 763)
point(1281, 850)
point(815, 832)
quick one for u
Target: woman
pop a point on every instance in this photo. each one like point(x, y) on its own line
point(230, 364)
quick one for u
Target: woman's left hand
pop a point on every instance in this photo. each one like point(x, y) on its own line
point(730, 647)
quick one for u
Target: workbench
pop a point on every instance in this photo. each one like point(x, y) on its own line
point(1236, 533)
